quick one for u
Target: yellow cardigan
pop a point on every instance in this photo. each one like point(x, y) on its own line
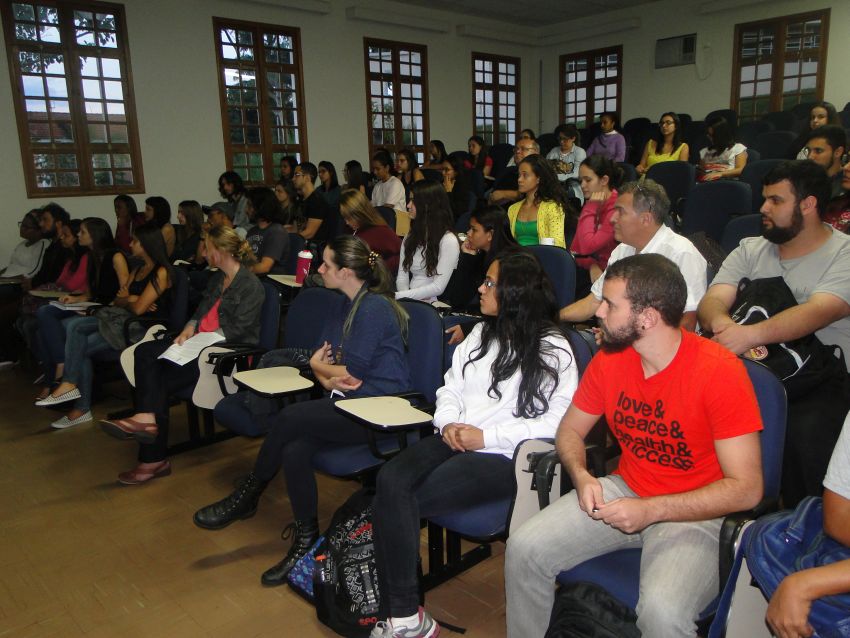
point(550, 221)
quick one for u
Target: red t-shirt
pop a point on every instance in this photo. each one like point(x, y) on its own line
point(667, 424)
point(209, 322)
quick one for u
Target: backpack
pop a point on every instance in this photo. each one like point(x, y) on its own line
point(345, 578)
point(585, 610)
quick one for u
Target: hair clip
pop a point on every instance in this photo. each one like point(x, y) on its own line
point(373, 258)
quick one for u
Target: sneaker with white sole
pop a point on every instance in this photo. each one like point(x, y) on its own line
point(70, 395)
point(427, 627)
point(65, 422)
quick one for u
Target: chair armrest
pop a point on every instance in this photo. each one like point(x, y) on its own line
point(240, 356)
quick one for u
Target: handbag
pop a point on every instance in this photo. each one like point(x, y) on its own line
point(801, 364)
point(791, 541)
point(110, 324)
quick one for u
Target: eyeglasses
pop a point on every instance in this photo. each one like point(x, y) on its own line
point(667, 122)
point(298, 175)
point(488, 283)
point(523, 148)
point(646, 197)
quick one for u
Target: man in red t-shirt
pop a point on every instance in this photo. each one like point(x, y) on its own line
point(685, 415)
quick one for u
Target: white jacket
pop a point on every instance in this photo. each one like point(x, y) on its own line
point(464, 398)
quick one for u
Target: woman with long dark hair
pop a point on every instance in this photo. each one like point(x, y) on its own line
point(666, 145)
point(290, 208)
point(512, 379)
point(127, 218)
point(724, 158)
point(364, 221)
point(84, 337)
point(362, 353)
point(231, 188)
point(106, 274)
point(191, 217)
point(408, 169)
point(437, 154)
point(479, 155)
point(329, 184)
point(544, 212)
point(355, 177)
point(456, 183)
point(231, 307)
point(430, 252)
point(594, 238)
point(821, 114)
point(158, 213)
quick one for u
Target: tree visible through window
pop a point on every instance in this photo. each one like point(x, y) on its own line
point(73, 97)
point(397, 96)
point(262, 97)
point(779, 63)
point(495, 93)
point(591, 84)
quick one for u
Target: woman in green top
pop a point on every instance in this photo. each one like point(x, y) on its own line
point(545, 212)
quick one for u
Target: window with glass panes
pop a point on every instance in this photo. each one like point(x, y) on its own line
point(397, 96)
point(73, 97)
point(779, 63)
point(495, 95)
point(262, 97)
point(591, 84)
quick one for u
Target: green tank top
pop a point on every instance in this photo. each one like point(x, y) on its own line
point(526, 233)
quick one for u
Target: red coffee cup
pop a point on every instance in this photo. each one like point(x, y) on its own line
point(302, 268)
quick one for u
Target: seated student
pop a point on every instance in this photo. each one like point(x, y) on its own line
point(699, 461)
point(609, 142)
point(666, 146)
point(190, 215)
point(26, 257)
point(363, 220)
point(158, 213)
point(456, 183)
point(430, 252)
point(725, 158)
point(231, 306)
point(231, 188)
point(86, 336)
point(506, 188)
point(567, 156)
point(837, 213)
point(437, 154)
point(822, 590)
point(408, 169)
point(127, 218)
point(53, 217)
point(525, 135)
point(321, 218)
point(821, 114)
point(825, 147)
point(388, 189)
point(107, 273)
point(355, 177)
point(362, 354)
point(545, 211)
point(639, 225)
point(479, 157)
point(293, 219)
point(594, 239)
point(813, 261)
point(329, 184)
point(288, 164)
point(488, 238)
point(268, 240)
point(512, 379)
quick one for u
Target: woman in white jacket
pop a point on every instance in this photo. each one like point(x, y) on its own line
point(511, 379)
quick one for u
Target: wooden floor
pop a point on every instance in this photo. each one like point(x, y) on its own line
point(81, 555)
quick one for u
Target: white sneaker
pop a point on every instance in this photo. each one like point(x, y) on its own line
point(426, 627)
point(65, 422)
point(7, 365)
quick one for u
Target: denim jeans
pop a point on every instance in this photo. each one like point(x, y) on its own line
point(82, 340)
point(51, 338)
point(678, 572)
point(427, 479)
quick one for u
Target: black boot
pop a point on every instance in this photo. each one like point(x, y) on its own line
point(305, 533)
point(242, 503)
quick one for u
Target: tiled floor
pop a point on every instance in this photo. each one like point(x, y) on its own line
point(81, 555)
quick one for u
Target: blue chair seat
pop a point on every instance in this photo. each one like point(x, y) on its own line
point(482, 521)
point(349, 460)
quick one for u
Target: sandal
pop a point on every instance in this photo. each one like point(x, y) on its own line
point(138, 476)
point(126, 429)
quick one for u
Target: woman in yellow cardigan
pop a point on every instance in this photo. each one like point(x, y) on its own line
point(545, 212)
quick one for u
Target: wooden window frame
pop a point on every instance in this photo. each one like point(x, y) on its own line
point(84, 149)
point(781, 56)
point(270, 151)
point(397, 80)
point(591, 116)
point(497, 88)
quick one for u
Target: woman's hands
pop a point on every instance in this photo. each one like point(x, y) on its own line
point(324, 354)
point(188, 333)
point(462, 437)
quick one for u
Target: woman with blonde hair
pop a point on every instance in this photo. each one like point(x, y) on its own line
point(364, 221)
point(230, 306)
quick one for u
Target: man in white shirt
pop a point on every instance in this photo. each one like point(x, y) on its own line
point(639, 225)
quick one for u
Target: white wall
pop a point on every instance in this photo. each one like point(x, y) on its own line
point(172, 56)
point(649, 92)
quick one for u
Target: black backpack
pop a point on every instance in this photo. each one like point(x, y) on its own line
point(585, 610)
point(345, 580)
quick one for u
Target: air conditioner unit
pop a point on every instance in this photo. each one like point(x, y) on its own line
point(676, 51)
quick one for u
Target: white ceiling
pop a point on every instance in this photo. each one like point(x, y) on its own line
point(531, 14)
